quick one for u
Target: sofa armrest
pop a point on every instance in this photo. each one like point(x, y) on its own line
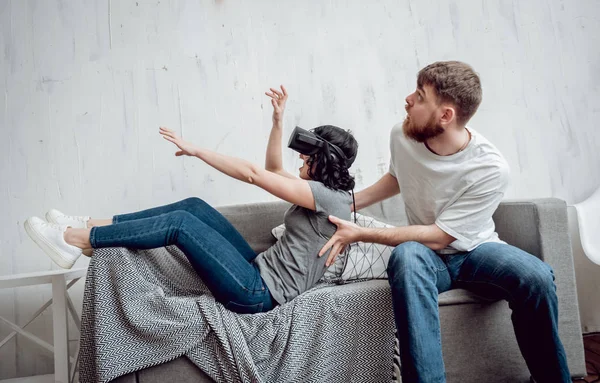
point(538, 226)
point(254, 221)
point(541, 227)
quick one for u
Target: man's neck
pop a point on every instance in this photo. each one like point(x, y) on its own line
point(450, 142)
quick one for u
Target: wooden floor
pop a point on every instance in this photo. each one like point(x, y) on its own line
point(591, 343)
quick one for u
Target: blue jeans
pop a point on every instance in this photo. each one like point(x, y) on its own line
point(216, 250)
point(493, 270)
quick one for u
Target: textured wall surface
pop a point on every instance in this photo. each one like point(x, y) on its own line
point(84, 86)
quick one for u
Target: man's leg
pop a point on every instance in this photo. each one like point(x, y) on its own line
point(502, 271)
point(417, 275)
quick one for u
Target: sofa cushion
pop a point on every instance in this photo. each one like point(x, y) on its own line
point(367, 260)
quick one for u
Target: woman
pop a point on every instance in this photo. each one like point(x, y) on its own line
point(238, 278)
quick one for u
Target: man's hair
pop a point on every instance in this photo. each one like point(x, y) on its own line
point(454, 82)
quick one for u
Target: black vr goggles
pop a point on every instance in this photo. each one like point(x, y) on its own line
point(309, 143)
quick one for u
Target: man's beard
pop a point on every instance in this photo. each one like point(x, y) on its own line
point(421, 133)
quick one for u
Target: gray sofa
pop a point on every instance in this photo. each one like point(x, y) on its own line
point(477, 336)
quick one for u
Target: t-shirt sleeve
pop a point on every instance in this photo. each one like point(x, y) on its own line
point(464, 218)
point(392, 170)
point(328, 201)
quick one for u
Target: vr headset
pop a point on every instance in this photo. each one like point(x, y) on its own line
point(309, 143)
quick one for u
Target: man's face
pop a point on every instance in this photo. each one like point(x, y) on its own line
point(422, 120)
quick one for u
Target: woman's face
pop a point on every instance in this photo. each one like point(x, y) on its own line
point(304, 169)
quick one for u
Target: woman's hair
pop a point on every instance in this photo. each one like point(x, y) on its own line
point(328, 167)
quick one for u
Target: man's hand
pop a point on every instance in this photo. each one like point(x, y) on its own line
point(278, 100)
point(186, 148)
point(346, 233)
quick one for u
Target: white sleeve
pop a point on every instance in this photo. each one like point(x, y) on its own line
point(392, 170)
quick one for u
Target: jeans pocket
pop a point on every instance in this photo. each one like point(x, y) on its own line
point(244, 309)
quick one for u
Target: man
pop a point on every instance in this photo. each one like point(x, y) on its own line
point(452, 180)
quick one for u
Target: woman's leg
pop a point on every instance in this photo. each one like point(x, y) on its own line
point(233, 280)
point(98, 222)
point(199, 209)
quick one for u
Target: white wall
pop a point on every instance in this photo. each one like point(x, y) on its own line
point(84, 86)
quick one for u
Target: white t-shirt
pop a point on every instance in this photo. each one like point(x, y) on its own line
point(459, 193)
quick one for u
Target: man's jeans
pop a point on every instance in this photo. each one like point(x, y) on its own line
point(493, 270)
point(216, 250)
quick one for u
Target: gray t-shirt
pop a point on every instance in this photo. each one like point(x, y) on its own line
point(292, 265)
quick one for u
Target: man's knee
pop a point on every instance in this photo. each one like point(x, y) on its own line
point(540, 282)
point(407, 257)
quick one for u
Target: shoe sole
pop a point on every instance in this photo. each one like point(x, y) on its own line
point(54, 254)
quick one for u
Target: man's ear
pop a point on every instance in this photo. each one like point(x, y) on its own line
point(448, 115)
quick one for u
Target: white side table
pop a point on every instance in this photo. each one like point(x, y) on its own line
point(60, 302)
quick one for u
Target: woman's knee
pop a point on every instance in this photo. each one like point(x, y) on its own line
point(179, 217)
point(194, 201)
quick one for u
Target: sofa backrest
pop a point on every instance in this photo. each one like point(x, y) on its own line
point(517, 222)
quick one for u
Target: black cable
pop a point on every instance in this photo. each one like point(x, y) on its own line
point(354, 204)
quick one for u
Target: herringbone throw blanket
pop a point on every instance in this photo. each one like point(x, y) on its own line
point(146, 307)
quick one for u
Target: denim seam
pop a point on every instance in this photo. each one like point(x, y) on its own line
point(133, 236)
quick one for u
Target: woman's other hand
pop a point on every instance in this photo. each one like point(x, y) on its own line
point(278, 100)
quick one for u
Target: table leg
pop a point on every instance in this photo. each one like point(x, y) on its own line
point(61, 335)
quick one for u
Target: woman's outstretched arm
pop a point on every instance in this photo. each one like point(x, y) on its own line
point(296, 191)
point(273, 162)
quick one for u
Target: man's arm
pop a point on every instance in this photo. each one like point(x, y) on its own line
point(347, 232)
point(429, 235)
point(386, 187)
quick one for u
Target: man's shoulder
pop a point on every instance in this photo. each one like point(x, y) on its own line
point(485, 148)
point(491, 164)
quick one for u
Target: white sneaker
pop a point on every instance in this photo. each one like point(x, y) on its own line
point(77, 222)
point(50, 237)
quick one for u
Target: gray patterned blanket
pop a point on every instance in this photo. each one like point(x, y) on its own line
point(146, 307)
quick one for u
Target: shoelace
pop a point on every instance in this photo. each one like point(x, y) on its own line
point(52, 225)
point(75, 218)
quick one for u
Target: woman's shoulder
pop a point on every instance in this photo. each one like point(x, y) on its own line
point(328, 199)
point(320, 187)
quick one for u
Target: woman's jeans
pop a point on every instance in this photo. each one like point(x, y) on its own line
point(493, 270)
point(216, 250)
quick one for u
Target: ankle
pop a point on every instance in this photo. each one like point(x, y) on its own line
point(98, 222)
point(71, 238)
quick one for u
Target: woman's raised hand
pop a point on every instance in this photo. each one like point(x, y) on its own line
point(186, 148)
point(278, 100)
